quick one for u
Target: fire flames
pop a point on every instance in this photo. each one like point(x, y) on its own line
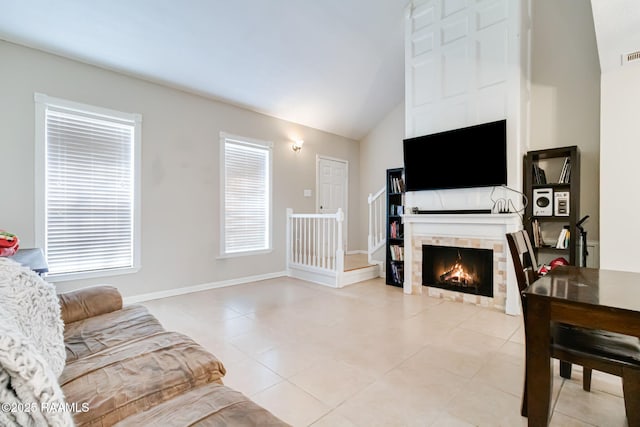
point(457, 274)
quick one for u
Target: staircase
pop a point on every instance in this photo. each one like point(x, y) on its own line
point(315, 251)
point(377, 229)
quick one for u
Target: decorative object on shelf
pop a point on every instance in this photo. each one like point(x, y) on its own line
point(297, 145)
point(542, 205)
point(561, 203)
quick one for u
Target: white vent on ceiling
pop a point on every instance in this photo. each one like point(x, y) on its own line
point(628, 58)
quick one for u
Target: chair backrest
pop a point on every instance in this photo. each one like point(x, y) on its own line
point(524, 259)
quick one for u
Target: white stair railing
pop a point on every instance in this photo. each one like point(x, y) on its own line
point(315, 241)
point(377, 221)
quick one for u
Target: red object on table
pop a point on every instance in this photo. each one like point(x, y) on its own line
point(8, 243)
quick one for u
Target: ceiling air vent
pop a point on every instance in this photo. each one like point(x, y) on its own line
point(628, 58)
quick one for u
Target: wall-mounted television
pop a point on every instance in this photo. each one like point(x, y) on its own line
point(474, 156)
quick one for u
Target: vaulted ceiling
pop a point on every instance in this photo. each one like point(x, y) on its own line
point(335, 65)
point(617, 25)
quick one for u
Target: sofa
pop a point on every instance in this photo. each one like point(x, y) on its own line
point(105, 363)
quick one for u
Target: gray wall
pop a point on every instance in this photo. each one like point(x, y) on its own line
point(180, 168)
point(565, 91)
point(380, 150)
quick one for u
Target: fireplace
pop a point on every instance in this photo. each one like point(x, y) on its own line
point(478, 231)
point(458, 269)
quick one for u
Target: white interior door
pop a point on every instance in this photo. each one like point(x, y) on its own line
point(333, 182)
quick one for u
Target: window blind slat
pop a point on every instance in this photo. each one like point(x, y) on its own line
point(89, 188)
point(247, 192)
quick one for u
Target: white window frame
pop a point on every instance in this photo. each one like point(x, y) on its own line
point(224, 253)
point(42, 103)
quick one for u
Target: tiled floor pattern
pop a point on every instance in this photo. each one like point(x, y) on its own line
point(368, 355)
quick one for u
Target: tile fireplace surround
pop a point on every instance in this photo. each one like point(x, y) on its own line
point(486, 231)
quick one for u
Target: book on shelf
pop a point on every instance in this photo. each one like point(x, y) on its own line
point(565, 173)
point(397, 252)
point(396, 184)
point(397, 273)
point(563, 238)
point(394, 231)
point(539, 177)
point(537, 234)
point(396, 210)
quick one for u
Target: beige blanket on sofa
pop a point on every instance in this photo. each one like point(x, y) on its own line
point(32, 353)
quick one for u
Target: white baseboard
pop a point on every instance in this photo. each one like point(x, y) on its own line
point(316, 275)
point(203, 287)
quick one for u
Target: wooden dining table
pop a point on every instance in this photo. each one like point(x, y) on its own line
point(586, 297)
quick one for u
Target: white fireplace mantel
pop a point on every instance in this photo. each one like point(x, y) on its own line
point(478, 226)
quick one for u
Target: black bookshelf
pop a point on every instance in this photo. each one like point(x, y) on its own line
point(395, 228)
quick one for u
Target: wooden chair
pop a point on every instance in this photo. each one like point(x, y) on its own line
point(526, 266)
point(603, 351)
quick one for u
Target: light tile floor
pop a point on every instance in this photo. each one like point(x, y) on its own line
point(368, 355)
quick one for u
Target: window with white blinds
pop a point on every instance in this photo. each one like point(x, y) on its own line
point(246, 195)
point(89, 181)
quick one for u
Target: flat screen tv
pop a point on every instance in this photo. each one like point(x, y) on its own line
point(475, 156)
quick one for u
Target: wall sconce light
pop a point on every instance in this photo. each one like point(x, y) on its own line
point(297, 145)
